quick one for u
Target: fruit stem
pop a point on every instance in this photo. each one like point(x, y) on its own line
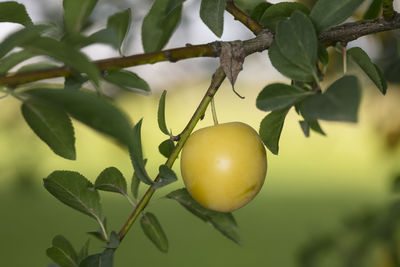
point(216, 82)
point(214, 112)
point(344, 53)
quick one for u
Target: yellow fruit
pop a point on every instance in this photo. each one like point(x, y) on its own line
point(224, 166)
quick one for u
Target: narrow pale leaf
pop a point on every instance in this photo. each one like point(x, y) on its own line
point(11, 11)
point(223, 222)
point(112, 180)
point(52, 125)
point(127, 80)
point(74, 190)
point(62, 252)
point(96, 112)
point(365, 63)
point(76, 14)
point(135, 151)
point(271, 129)
point(212, 14)
point(328, 13)
point(277, 96)
point(340, 102)
point(166, 176)
point(158, 25)
point(166, 147)
point(153, 230)
point(161, 114)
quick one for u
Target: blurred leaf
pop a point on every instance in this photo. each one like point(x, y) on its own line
point(112, 180)
point(62, 252)
point(271, 129)
point(135, 151)
point(76, 14)
point(114, 241)
point(247, 6)
point(161, 114)
point(278, 95)
point(166, 147)
point(328, 13)
point(74, 190)
point(392, 72)
point(11, 11)
point(212, 14)
point(363, 60)
point(166, 176)
point(305, 127)
point(223, 222)
point(153, 230)
point(37, 66)
point(52, 125)
point(74, 82)
point(84, 252)
point(173, 4)
point(323, 55)
point(127, 80)
point(313, 125)
point(119, 23)
point(259, 10)
point(64, 53)
point(14, 59)
point(373, 10)
point(135, 183)
point(279, 12)
point(96, 112)
point(21, 37)
point(104, 259)
point(396, 184)
point(340, 102)
point(158, 25)
point(294, 51)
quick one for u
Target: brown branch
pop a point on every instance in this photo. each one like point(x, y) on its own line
point(239, 15)
point(343, 33)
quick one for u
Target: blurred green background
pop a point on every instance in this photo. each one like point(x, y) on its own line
point(310, 187)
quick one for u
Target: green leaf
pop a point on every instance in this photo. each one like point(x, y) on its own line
point(100, 233)
point(158, 25)
point(104, 259)
point(127, 80)
point(111, 180)
point(84, 251)
point(363, 60)
point(135, 183)
point(279, 12)
point(74, 190)
point(52, 125)
point(166, 176)
point(166, 147)
point(392, 72)
point(212, 14)
point(277, 96)
point(258, 11)
point(328, 13)
point(119, 23)
point(340, 102)
point(14, 59)
point(396, 184)
point(294, 51)
point(62, 252)
point(11, 11)
point(153, 230)
point(271, 129)
point(313, 125)
point(74, 82)
point(135, 151)
point(323, 55)
point(173, 4)
point(161, 114)
point(21, 37)
point(223, 222)
point(96, 112)
point(114, 241)
point(76, 14)
point(373, 10)
point(37, 66)
point(305, 127)
point(247, 6)
point(64, 53)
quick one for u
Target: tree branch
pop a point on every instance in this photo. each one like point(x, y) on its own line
point(238, 14)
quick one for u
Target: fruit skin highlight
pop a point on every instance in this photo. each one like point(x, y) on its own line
point(224, 166)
